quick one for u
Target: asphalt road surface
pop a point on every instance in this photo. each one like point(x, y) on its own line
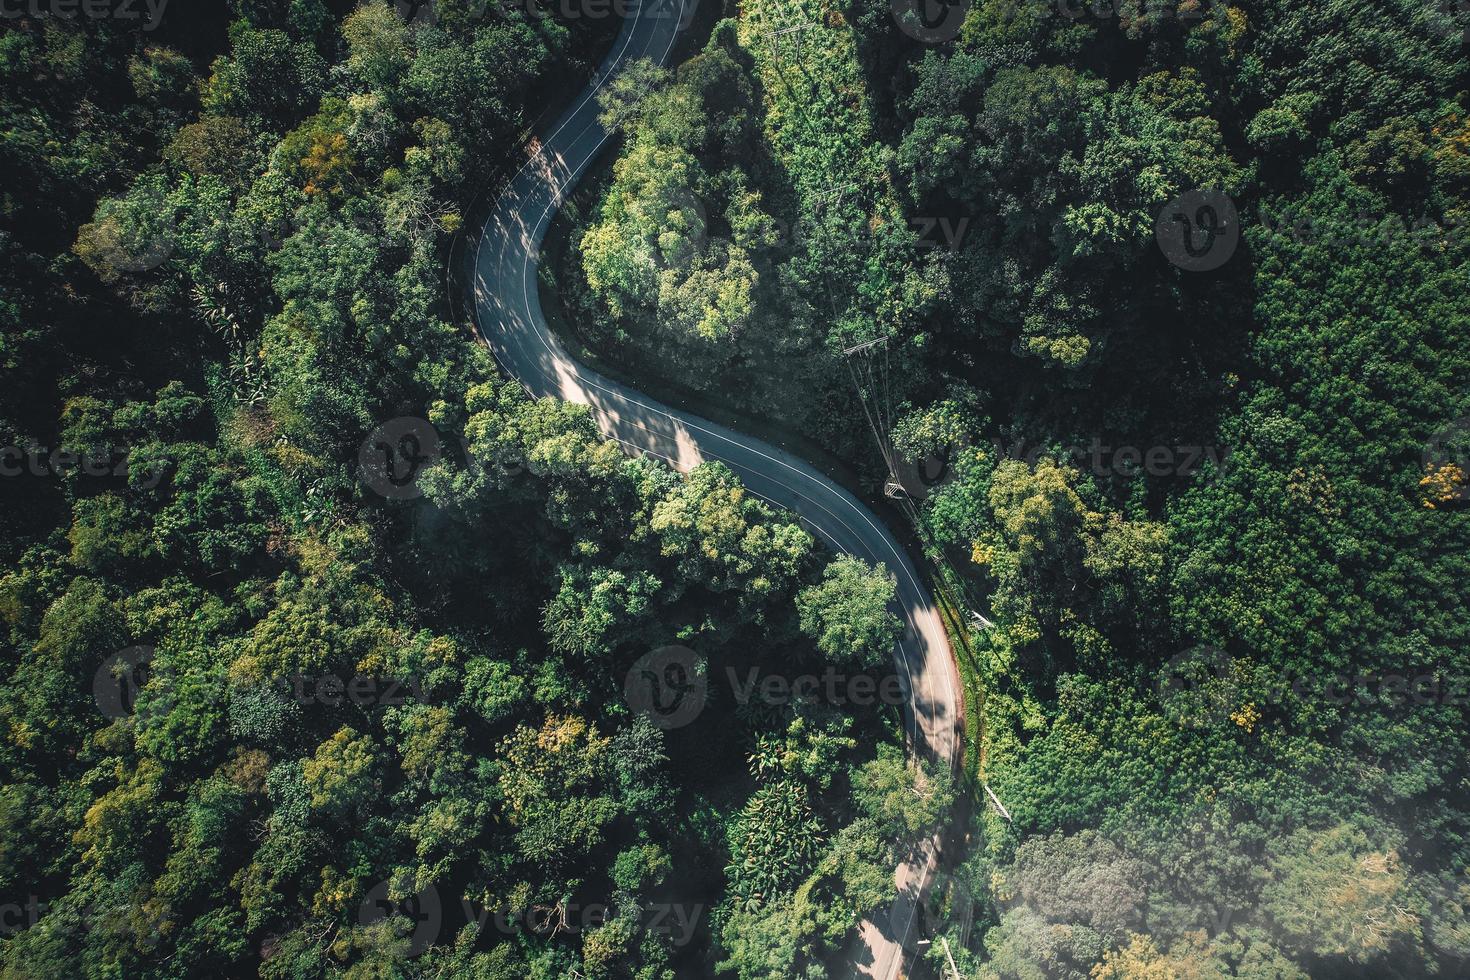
point(508, 312)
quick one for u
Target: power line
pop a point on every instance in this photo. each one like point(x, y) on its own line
point(773, 39)
point(863, 398)
point(865, 345)
point(832, 194)
point(872, 379)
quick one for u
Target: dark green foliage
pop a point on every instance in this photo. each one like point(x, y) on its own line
point(1203, 664)
point(249, 700)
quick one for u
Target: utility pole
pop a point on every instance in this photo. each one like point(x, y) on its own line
point(954, 971)
point(998, 804)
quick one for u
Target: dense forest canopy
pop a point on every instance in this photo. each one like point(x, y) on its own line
point(1212, 501)
point(329, 653)
point(318, 632)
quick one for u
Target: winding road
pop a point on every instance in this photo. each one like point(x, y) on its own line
point(509, 317)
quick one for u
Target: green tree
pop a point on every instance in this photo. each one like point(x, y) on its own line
point(847, 615)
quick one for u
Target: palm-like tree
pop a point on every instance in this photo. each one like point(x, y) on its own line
point(774, 842)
